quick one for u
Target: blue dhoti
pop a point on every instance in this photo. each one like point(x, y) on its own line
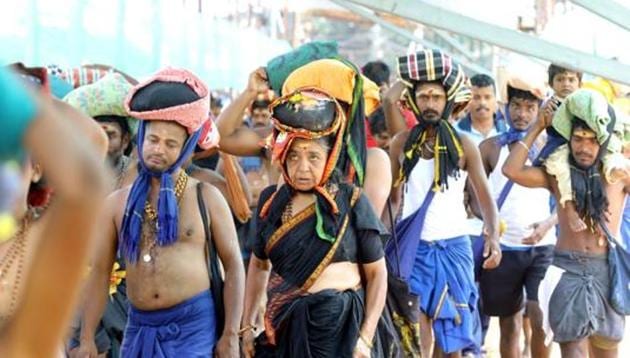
point(443, 277)
point(185, 330)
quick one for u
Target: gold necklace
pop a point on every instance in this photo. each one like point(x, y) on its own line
point(151, 214)
point(15, 254)
point(287, 214)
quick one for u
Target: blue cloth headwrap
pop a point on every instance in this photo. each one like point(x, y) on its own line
point(514, 135)
point(167, 208)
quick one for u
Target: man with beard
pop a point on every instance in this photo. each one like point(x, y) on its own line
point(527, 244)
point(575, 293)
point(164, 235)
point(433, 162)
point(484, 119)
point(104, 100)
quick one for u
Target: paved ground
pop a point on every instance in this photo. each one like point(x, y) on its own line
point(492, 343)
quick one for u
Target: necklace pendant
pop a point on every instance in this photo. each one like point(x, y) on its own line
point(600, 242)
point(146, 258)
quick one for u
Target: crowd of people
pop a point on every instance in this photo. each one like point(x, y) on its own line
point(328, 210)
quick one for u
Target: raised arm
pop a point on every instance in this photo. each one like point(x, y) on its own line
point(236, 139)
point(515, 168)
point(84, 124)
point(394, 118)
point(75, 172)
point(489, 212)
point(226, 242)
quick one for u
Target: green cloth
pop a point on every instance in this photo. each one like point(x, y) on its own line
point(591, 107)
point(105, 97)
point(19, 109)
point(279, 68)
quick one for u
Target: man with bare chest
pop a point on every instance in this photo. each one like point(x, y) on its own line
point(575, 293)
point(157, 225)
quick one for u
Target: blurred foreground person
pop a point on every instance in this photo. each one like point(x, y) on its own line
point(44, 261)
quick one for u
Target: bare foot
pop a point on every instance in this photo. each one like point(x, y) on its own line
point(575, 222)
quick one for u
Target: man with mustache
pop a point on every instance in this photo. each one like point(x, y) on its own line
point(484, 119)
point(527, 244)
point(104, 100)
point(166, 227)
point(260, 116)
point(575, 294)
point(433, 162)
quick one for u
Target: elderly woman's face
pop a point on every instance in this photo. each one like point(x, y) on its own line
point(305, 163)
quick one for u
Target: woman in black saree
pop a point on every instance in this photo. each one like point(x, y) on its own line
point(318, 250)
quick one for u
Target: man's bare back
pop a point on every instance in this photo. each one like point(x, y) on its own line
point(175, 272)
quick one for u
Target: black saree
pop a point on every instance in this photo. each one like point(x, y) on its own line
point(322, 324)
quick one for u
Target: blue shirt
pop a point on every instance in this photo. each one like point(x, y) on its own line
point(465, 126)
point(18, 111)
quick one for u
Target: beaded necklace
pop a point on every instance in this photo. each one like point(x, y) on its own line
point(151, 214)
point(15, 256)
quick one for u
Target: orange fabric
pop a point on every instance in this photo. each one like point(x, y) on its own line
point(336, 79)
point(236, 194)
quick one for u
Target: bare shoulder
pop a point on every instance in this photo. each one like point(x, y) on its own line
point(117, 200)
point(488, 145)
point(468, 144)
point(207, 176)
point(489, 151)
point(377, 157)
point(210, 193)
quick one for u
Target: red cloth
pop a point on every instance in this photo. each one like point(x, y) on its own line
point(410, 120)
point(371, 142)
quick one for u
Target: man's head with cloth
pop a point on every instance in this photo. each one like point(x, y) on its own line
point(524, 97)
point(438, 89)
point(308, 136)
point(588, 124)
point(172, 107)
point(104, 101)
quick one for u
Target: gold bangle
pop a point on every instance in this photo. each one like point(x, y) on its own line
point(523, 144)
point(245, 329)
point(367, 342)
